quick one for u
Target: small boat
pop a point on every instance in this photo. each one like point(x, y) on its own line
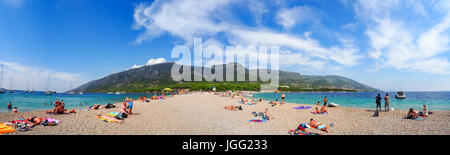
point(331, 104)
point(71, 92)
point(110, 93)
point(81, 93)
point(400, 95)
point(117, 93)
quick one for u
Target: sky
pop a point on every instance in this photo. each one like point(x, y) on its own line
point(390, 45)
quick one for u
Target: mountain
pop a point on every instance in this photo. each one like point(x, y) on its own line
point(159, 75)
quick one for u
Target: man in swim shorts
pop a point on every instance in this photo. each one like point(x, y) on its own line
point(325, 101)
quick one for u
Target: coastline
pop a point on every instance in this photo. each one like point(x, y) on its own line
point(204, 114)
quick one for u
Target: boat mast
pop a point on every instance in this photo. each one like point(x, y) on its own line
point(10, 82)
point(1, 83)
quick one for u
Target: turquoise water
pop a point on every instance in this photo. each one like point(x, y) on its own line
point(39, 101)
point(416, 100)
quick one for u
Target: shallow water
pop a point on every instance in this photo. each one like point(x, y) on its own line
point(39, 101)
point(366, 100)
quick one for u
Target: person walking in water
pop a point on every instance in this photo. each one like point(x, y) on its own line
point(378, 101)
point(283, 96)
point(386, 102)
point(9, 105)
point(325, 101)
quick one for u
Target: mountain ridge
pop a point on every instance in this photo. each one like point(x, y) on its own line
point(158, 75)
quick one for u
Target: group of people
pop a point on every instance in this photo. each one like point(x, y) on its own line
point(386, 102)
point(59, 108)
point(413, 114)
point(98, 106)
point(10, 107)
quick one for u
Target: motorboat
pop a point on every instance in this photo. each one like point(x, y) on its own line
point(400, 95)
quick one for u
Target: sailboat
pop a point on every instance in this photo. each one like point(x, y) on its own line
point(10, 85)
point(28, 89)
point(71, 92)
point(47, 91)
point(1, 83)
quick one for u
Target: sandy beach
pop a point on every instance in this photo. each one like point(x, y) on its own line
point(204, 114)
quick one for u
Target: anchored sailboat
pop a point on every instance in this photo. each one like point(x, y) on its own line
point(28, 89)
point(1, 83)
point(71, 92)
point(47, 90)
point(10, 84)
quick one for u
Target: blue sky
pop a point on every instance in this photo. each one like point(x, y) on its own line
point(391, 45)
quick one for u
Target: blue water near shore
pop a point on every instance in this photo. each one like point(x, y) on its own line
point(39, 101)
point(366, 100)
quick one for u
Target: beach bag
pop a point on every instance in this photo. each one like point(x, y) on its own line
point(375, 114)
point(22, 127)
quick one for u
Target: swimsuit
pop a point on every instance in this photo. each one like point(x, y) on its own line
point(32, 119)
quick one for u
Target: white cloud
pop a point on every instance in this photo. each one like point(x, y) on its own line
point(22, 73)
point(289, 17)
point(149, 62)
point(156, 61)
point(402, 44)
point(207, 19)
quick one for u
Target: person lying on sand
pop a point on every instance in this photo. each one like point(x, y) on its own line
point(233, 108)
point(38, 120)
point(412, 114)
point(60, 111)
point(109, 118)
point(317, 125)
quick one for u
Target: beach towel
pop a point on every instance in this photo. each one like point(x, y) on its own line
point(107, 118)
point(258, 120)
point(85, 109)
point(113, 114)
point(6, 128)
point(315, 112)
point(301, 132)
point(302, 107)
point(250, 103)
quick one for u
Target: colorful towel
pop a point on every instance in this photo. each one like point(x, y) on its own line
point(6, 128)
point(113, 114)
point(302, 107)
point(300, 132)
point(107, 118)
point(258, 120)
point(314, 112)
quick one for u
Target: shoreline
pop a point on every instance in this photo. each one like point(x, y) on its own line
point(204, 114)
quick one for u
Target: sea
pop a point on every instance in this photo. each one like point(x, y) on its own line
point(39, 101)
point(366, 100)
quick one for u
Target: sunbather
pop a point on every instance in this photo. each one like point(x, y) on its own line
point(38, 120)
point(317, 125)
point(412, 114)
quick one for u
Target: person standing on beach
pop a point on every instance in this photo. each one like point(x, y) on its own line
point(378, 101)
point(282, 97)
point(130, 106)
point(15, 110)
point(386, 102)
point(325, 101)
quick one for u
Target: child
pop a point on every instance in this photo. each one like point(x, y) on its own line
point(15, 110)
